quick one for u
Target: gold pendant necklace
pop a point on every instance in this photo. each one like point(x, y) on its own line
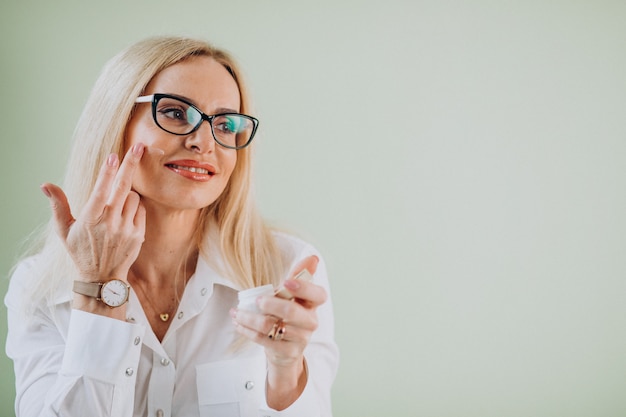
point(163, 316)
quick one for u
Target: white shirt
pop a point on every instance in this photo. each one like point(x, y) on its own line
point(72, 363)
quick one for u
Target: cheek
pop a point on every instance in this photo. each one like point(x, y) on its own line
point(132, 130)
point(143, 176)
point(229, 163)
point(142, 129)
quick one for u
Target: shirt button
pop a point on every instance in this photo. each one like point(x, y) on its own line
point(129, 371)
point(203, 291)
point(165, 361)
point(159, 413)
point(249, 385)
point(137, 340)
point(180, 315)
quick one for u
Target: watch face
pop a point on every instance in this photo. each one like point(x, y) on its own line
point(114, 293)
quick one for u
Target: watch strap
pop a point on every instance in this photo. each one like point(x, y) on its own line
point(90, 289)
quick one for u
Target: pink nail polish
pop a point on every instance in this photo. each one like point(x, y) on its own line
point(112, 160)
point(292, 284)
point(45, 190)
point(138, 149)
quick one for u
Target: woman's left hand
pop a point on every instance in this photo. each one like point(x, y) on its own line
point(285, 355)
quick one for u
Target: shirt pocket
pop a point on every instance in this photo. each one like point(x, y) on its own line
point(231, 388)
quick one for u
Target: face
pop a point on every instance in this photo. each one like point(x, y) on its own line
point(193, 170)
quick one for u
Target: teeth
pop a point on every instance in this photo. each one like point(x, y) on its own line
point(192, 169)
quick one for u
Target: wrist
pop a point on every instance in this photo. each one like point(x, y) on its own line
point(285, 384)
point(107, 298)
point(94, 306)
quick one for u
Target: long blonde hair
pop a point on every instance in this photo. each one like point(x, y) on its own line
point(249, 254)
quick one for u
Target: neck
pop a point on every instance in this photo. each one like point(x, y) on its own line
point(169, 249)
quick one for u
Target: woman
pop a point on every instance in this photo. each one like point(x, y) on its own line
point(130, 307)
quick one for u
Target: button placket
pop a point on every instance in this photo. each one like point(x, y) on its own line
point(161, 385)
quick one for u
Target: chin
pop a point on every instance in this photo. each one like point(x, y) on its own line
point(182, 203)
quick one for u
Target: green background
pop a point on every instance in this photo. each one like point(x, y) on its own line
point(461, 165)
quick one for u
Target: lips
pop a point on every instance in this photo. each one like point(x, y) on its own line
point(191, 169)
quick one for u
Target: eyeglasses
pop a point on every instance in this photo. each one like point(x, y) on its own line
point(179, 117)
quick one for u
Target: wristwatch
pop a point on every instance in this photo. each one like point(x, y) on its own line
point(113, 293)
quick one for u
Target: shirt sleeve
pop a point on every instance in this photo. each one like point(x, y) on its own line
point(69, 362)
point(321, 355)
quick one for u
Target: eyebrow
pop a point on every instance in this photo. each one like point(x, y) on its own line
point(217, 111)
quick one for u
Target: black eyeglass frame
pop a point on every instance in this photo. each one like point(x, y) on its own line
point(154, 99)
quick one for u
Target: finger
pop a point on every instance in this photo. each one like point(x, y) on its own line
point(140, 218)
point(308, 294)
point(308, 264)
point(291, 334)
point(253, 326)
point(257, 327)
point(131, 205)
point(98, 198)
point(253, 335)
point(293, 313)
point(61, 212)
point(124, 178)
point(260, 323)
point(134, 215)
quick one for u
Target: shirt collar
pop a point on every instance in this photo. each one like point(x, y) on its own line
point(200, 286)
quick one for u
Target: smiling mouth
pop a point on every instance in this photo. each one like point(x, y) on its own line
point(195, 170)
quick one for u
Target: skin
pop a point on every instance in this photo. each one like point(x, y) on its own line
point(109, 239)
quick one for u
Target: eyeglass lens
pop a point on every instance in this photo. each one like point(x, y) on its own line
point(175, 116)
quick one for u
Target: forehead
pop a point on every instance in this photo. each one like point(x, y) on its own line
point(203, 80)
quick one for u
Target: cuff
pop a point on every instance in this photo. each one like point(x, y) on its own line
point(102, 348)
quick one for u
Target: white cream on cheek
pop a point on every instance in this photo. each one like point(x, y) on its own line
point(154, 151)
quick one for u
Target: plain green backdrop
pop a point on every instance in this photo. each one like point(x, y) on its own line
point(461, 166)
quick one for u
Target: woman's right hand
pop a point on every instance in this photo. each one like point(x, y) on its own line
point(105, 239)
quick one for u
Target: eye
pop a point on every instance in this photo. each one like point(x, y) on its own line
point(174, 113)
point(228, 125)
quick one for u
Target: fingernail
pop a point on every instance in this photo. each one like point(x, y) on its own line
point(112, 160)
point(137, 149)
point(292, 284)
point(45, 190)
point(259, 300)
point(233, 313)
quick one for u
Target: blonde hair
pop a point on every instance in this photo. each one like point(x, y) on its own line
point(249, 254)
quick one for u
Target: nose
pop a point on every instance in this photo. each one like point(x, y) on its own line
point(201, 140)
